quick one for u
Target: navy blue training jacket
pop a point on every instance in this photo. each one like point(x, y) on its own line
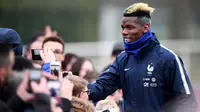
point(156, 82)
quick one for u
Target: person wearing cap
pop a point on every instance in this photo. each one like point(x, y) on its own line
point(117, 49)
point(12, 38)
point(151, 76)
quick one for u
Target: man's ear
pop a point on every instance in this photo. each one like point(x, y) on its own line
point(81, 95)
point(28, 55)
point(146, 28)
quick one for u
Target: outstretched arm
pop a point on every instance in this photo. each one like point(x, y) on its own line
point(106, 84)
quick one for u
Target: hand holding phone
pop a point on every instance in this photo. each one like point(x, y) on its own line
point(22, 91)
point(66, 89)
point(41, 87)
point(34, 75)
point(47, 55)
point(55, 68)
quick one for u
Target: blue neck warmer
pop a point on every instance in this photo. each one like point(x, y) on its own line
point(135, 47)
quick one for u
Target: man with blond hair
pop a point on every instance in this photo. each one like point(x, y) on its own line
point(151, 76)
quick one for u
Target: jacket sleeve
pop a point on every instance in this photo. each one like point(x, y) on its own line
point(16, 104)
point(42, 103)
point(46, 67)
point(4, 107)
point(66, 105)
point(184, 99)
point(106, 84)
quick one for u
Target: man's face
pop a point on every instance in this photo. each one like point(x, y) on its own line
point(131, 30)
point(84, 94)
point(57, 49)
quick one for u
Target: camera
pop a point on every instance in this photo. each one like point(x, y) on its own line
point(36, 54)
point(34, 75)
point(55, 68)
point(64, 74)
point(54, 85)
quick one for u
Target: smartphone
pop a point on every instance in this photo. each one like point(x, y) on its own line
point(55, 68)
point(65, 74)
point(34, 75)
point(36, 54)
point(54, 87)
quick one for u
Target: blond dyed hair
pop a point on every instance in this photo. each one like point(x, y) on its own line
point(139, 7)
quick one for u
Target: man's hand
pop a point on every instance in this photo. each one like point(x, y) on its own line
point(50, 76)
point(47, 55)
point(61, 78)
point(49, 32)
point(66, 89)
point(22, 92)
point(42, 87)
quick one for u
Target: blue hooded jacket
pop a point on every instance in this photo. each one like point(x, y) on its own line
point(154, 82)
point(12, 38)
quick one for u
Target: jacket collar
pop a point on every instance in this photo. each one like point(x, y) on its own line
point(150, 45)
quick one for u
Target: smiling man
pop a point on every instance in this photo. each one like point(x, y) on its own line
point(151, 76)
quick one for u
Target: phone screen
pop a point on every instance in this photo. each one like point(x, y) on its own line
point(55, 68)
point(36, 54)
point(35, 75)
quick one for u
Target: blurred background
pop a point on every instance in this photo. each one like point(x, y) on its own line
point(91, 27)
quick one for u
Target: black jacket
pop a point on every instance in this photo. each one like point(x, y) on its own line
point(15, 104)
point(4, 107)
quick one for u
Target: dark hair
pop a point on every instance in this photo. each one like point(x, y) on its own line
point(68, 58)
point(116, 52)
point(90, 76)
point(54, 39)
point(139, 13)
point(22, 63)
point(117, 49)
point(34, 38)
point(77, 65)
point(5, 50)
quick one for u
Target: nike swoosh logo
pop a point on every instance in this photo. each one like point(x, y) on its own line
point(126, 69)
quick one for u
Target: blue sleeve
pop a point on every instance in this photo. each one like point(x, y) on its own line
point(46, 67)
point(178, 77)
point(106, 84)
point(183, 95)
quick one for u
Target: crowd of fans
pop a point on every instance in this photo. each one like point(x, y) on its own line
point(28, 85)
